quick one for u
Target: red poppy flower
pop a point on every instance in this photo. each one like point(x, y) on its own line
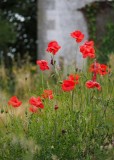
point(94, 68)
point(83, 51)
point(37, 102)
point(74, 77)
point(33, 109)
point(87, 49)
point(97, 85)
point(53, 47)
point(101, 69)
point(47, 94)
point(92, 84)
point(77, 35)
point(42, 64)
point(68, 85)
point(89, 43)
point(14, 101)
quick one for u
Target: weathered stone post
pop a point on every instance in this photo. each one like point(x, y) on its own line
point(56, 20)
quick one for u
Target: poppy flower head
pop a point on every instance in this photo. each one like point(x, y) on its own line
point(97, 85)
point(94, 68)
point(53, 47)
point(87, 49)
point(33, 109)
point(83, 51)
point(14, 102)
point(91, 52)
point(89, 43)
point(68, 85)
point(42, 64)
point(74, 77)
point(100, 69)
point(77, 35)
point(103, 69)
point(92, 84)
point(47, 94)
point(37, 102)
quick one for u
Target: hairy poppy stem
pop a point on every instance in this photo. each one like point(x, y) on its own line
point(76, 56)
point(52, 60)
point(55, 128)
point(72, 100)
point(29, 123)
point(4, 124)
point(94, 78)
point(42, 81)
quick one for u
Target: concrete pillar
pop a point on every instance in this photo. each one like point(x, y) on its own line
point(56, 20)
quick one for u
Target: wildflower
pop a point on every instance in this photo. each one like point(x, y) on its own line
point(53, 47)
point(42, 64)
point(88, 50)
point(68, 85)
point(14, 102)
point(103, 69)
point(89, 43)
point(37, 102)
point(77, 35)
point(92, 84)
point(94, 78)
point(100, 69)
point(47, 94)
point(94, 69)
point(33, 109)
point(74, 77)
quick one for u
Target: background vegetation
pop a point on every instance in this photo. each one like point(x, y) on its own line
point(82, 129)
point(101, 32)
point(18, 29)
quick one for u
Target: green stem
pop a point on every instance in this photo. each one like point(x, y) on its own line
point(76, 56)
point(72, 100)
point(42, 81)
point(55, 126)
point(29, 123)
point(4, 124)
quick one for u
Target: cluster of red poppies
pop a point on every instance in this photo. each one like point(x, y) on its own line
point(87, 50)
point(35, 102)
point(53, 48)
point(100, 69)
point(97, 68)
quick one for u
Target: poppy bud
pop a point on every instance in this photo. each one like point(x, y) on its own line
point(52, 62)
point(2, 111)
point(60, 82)
point(6, 111)
point(76, 69)
point(26, 113)
point(56, 107)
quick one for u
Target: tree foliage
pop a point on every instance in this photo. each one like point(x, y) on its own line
point(101, 31)
point(18, 29)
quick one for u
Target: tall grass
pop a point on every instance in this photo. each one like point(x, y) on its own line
point(81, 128)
